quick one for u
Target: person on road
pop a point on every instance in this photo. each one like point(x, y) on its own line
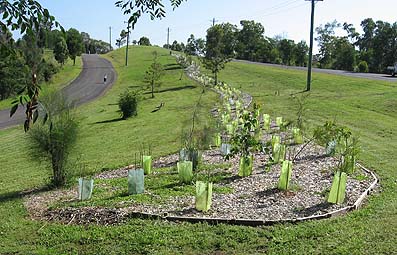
point(105, 78)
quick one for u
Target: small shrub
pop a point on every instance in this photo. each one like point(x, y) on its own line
point(128, 104)
point(363, 67)
point(54, 139)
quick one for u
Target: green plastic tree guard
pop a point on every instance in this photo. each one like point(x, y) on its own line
point(136, 180)
point(203, 196)
point(349, 164)
point(86, 186)
point(147, 164)
point(217, 140)
point(278, 152)
point(338, 188)
point(279, 121)
point(266, 122)
point(285, 176)
point(275, 139)
point(245, 167)
point(225, 149)
point(298, 137)
point(330, 149)
point(185, 171)
point(190, 155)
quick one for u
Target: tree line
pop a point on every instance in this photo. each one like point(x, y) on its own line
point(371, 51)
point(30, 54)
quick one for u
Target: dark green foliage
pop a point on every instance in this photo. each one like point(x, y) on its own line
point(14, 74)
point(362, 67)
point(74, 40)
point(61, 52)
point(128, 104)
point(144, 41)
point(219, 48)
point(54, 139)
point(47, 69)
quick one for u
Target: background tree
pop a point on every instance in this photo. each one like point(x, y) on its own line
point(218, 49)
point(154, 73)
point(74, 40)
point(325, 39)
point(301, 53)
point(144, 41)
point(287, 50)
point(249, 39)
point(61, 52)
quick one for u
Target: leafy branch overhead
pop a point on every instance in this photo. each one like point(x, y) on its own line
point(137, 8)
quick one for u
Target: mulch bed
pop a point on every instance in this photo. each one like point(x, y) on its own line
point(254, 198)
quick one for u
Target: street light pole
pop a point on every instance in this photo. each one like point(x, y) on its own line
point(309, 68)
point(128, 40)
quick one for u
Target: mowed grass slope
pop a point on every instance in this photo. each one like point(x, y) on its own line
point(106, 142)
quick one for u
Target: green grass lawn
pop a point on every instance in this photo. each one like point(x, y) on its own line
point(105, 142)
point(65, 76)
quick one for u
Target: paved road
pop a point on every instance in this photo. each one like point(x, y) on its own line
point(371, 76)
point(86, 87)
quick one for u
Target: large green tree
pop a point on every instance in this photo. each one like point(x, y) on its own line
point(219, 50)
point(74, 40)
point(249, 39)
point(61, 52)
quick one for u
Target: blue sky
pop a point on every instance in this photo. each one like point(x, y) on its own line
point(289, 18)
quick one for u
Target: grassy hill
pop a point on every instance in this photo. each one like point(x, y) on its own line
point(106, 142)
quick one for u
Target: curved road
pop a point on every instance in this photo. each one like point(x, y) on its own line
point(86, 87)
point(371, 76)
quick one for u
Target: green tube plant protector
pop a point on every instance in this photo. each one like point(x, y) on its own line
point(86, 186)
point(217, 140)
point(279, 121)
point(338, 188)
point(278, 152)
point(245, 167)
point(229, 129)
point(203, 196)
point(275, 139)
point(225, 149)
point(330, 148)
point(147, 164)
point(285, 176)
point(185, 171)
point(136, 180)
point(298, 137)
point(266, 122)
point(349, 164)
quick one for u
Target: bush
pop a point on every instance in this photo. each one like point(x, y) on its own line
point(128, 104)
point(54, 139)
point(363, 67)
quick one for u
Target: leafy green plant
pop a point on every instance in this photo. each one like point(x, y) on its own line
point(128, 104)
point(244, 140)
point(54, 139)
point(346, 146)
point(154, 73)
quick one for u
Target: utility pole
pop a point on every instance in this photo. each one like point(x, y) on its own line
point(168, 38)
point(309, 68)
point(110, 38)
point(128, 40)
point(214, 21)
